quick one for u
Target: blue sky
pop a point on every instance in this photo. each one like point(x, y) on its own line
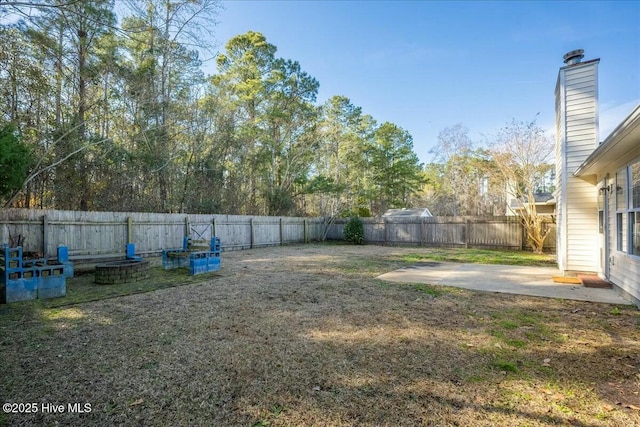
point(428, 65)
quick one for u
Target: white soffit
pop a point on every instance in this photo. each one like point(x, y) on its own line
point(620, 147)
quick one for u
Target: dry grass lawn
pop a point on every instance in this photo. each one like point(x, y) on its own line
point(306, 336)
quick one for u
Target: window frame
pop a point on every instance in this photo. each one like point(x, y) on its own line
point(633, 211)
point(620, 231)
point(622, 214)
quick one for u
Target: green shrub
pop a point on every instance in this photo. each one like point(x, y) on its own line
point(354, 231)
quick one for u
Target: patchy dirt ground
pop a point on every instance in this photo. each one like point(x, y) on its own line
point(305, 335)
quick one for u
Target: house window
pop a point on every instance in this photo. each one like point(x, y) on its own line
point(621, 185)
point(628, 209)
point(620, 232)
point(634, 209)
point(621, 210)
point(634, 232)
point(635, 185)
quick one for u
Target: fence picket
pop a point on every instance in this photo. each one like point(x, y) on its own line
point(95, 234)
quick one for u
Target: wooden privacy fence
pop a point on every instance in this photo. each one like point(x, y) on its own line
point(90, 235)
point(505, 232)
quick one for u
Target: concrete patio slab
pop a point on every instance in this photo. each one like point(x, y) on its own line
point(533, 281)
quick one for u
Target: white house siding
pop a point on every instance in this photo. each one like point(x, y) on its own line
point(624, 269)
point(624, 273)
point(582, 226)
point(561, 228)
point(577, 136)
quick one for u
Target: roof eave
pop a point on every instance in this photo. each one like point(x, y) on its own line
point(623, 140)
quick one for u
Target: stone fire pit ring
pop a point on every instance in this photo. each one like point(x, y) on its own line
point(124, 271)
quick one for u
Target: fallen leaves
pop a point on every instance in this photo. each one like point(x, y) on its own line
point(553, 394)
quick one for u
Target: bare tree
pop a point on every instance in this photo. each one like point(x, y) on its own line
point(522, 152)
point(452, 152)
point(170, 31)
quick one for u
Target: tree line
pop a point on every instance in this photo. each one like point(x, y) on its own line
point(470, 178)
point(106, 110)
point(122, 117)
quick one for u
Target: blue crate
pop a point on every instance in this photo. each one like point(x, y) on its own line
point(131, 252)
point(204, 262)
point(19, 288)
point(12, 259)
point(31, 279)
point(197, 262)
point(63, 258)
point(53, 284)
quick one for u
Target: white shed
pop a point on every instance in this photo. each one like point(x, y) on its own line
point(407, 212)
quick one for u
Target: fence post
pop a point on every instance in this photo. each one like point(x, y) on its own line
point(129, 230)
point(386, 231)
point(251, 233)
point(186, 226)
point(213, 227)
point(466, 233)
point(421, 231)
point(304, 230)
point(281, 238)
point(45, 233)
